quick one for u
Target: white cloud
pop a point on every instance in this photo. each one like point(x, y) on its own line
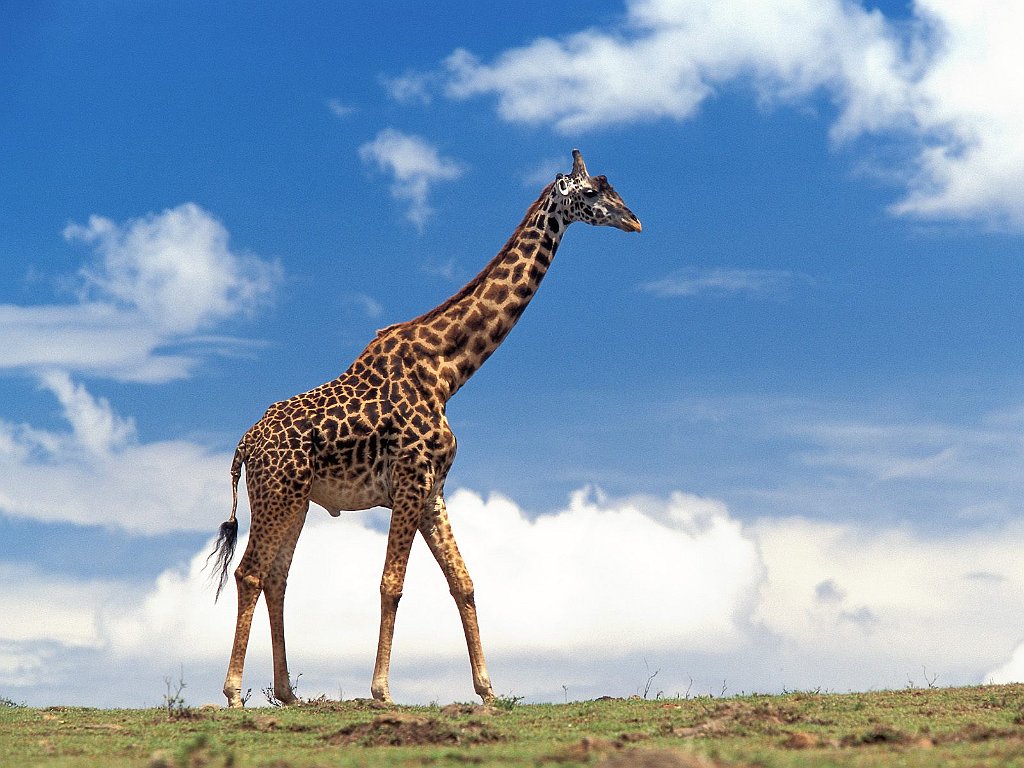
point(584, 578)
point(900, 601)
point(91, 337)
point(720, 281)
point(969, 106)
point(71, 608)
point(153, 284)
point(366, 304)
point(99, 473)
point(581, 597)
point(670, 55)
point(410, 87)
point(415, 166)
point(95, 425)
point(175, 268)
point(945, 80)
point(884, 461)
point(340, 109)
point(949, 461)
point(1012, 671)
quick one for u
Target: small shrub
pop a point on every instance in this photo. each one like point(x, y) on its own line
point(508, 702)
point(271, 697)
point(174, 702)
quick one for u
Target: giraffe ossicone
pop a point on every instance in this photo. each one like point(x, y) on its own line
point(378, 436)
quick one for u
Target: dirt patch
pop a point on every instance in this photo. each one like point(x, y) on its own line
point(269, 723)
point(461, 710)
point(881, 735)
point(588, 748)
point(743, 718)
point(708, 728)
point(324, 704)
point(396, 729)
point(802, 740)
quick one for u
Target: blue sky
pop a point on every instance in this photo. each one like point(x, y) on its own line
point(797, 393)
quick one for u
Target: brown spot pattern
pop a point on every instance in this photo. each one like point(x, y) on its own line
point(378, 435)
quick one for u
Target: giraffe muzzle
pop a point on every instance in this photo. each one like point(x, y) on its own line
point(629, 223)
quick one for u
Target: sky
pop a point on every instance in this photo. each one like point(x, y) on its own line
point(773, 442)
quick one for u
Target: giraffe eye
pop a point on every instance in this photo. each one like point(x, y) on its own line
point(590, 193)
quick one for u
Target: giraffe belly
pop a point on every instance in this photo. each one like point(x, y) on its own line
point(349, 493)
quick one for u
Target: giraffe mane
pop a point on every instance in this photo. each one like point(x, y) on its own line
point(471, 286)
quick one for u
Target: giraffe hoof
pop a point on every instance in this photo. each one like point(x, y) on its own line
point(286, 699)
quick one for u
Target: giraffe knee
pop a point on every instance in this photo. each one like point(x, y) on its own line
point(465, 596)
point(461, 586)
point(390, 595)
point(246, 579)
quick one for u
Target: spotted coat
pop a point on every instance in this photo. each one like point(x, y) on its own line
point(378, 436)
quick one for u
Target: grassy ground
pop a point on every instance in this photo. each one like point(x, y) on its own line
point(948, 727)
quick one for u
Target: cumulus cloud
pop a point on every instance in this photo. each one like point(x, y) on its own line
point(1012, 671)
point(153, 283)
point(967, 105)
point(670, 55)
point(889, 598)
point(586, 577)
point(174, 268)
point(98, 472)
point(942, 80)
point(575, 597)
point(415, 165)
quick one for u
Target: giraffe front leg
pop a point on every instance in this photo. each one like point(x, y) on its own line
point(410, 493)
point(437, 532)
point(400, 536)
point(391, 585)
point(379, 688)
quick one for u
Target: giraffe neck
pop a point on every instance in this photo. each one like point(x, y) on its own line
point(462, 332)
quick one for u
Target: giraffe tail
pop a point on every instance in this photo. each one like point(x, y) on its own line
point(227, 537)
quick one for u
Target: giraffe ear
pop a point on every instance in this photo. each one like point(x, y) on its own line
point(562, 185)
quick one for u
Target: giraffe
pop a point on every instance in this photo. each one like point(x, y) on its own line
point(378, 436)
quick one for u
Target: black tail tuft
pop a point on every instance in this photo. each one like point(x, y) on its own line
point(223, 552)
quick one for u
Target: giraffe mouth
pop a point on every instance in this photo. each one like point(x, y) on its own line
point(629, 223)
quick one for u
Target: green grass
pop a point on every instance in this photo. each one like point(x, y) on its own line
point(981, 726)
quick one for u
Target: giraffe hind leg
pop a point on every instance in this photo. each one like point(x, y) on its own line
point(274, 586)
point(249, 587)
point(263, 570)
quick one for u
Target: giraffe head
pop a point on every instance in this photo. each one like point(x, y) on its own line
point(582, 197)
